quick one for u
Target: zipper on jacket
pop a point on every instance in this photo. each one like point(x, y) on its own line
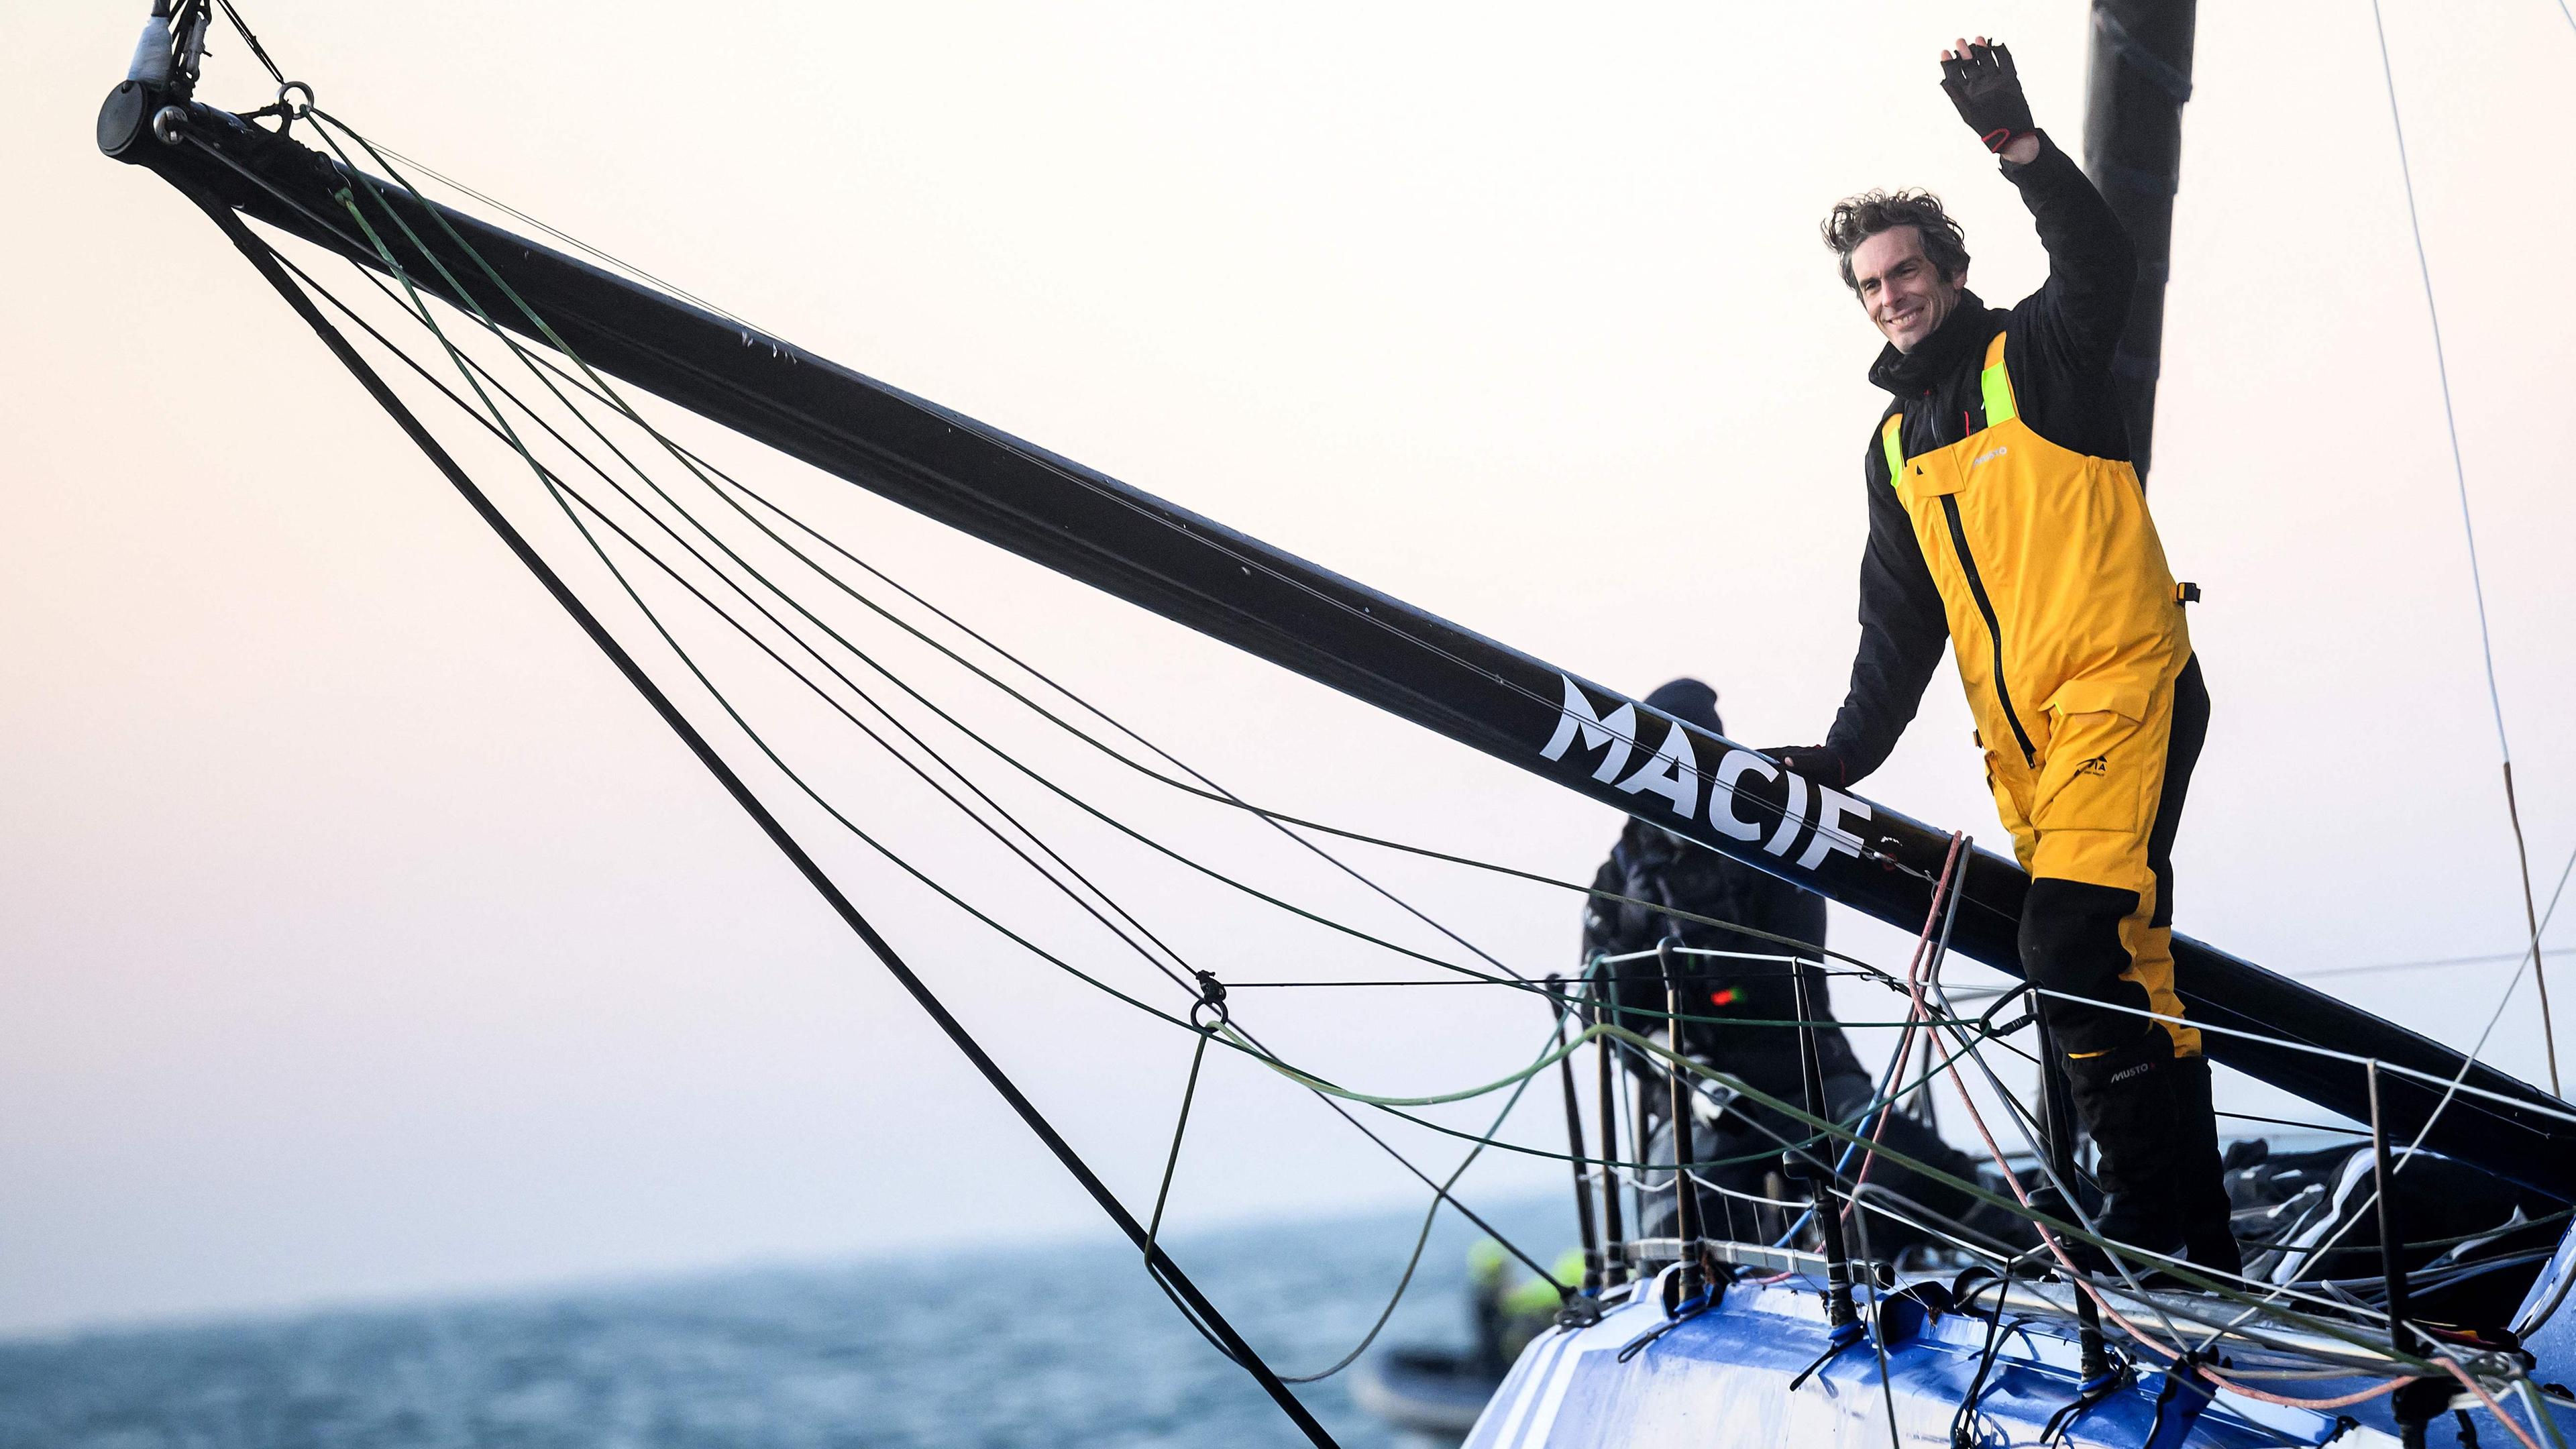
point(1994, 631)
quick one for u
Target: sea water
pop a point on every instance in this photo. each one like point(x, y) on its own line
point(989, 1348)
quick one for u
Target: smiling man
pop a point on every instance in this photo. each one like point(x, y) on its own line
point(2005, 519)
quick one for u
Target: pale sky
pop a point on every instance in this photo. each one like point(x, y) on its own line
point(365, 936)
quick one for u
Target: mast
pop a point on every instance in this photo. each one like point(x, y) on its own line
point(2138, 78)
point(1207, 577)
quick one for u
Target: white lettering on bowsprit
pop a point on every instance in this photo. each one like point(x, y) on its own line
point(1615, 731)
point(1673, 773)
point(1832, 808)
point(1791, 818)
point(1721, 795)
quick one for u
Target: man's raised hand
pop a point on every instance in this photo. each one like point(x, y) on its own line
point(1982, 83)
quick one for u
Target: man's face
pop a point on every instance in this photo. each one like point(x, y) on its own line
point(1904, 294)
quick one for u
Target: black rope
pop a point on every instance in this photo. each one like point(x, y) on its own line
point(1962, 1422)
point(242, 28)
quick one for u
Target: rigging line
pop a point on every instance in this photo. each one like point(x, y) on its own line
point(2469, 531)
point(2490, 959)
point(642, 549)
point(890, 718)
point(2450, 1093)
point(2023, 1124)
point(2560, 1114)
point(1123, 728)
point(1029, 453)
point(2286, 1122)
point(262, 258)
point(367, 183)
point(567, 238)
point(546, 477)
point(1878, 1341)
point(900, 683)
point(513, 397)
point(1262, 1052)
point(242, 28)
point(724, 702)
point(698, 463)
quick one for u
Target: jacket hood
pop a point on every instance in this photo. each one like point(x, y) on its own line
point(1910, 374)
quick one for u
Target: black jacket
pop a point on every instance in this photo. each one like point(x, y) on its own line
point(1651, 864)
point(2061, 339)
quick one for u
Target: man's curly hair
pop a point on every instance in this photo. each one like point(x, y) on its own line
point(1855, 219)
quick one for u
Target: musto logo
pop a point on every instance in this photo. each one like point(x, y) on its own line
point(1736, 806)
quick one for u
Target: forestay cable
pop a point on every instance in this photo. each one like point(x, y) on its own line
point(2469, 531)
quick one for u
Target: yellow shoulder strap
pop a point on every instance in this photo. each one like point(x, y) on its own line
point(1887, 440)
point(1998, 385)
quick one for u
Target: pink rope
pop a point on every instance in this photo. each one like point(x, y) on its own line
point(2492, 1406)
point(1918, 1015)
point(2261, 1396)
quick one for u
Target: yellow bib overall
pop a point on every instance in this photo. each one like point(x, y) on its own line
point(2069, 636)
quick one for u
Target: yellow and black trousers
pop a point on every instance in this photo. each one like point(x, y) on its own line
point(2068, 631)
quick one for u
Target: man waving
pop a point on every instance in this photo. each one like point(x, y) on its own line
point(2005, 518)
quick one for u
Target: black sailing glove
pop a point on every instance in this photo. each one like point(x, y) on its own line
point(1815, 762)
point(1987, 91)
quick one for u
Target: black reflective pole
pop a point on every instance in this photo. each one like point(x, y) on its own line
point(1819, 1174)
point(1574, 1144)
point(1206, 1312)
point(2418, 1403)
point(1614, 1255)
point(2137, 81)
point(1686, 1223)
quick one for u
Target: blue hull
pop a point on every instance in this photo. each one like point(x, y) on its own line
point(1720, 1380)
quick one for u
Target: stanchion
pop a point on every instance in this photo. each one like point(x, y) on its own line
point(1614, 1265)
point(1686, 1224)
point(1802, 1163)
point(1592, 1264)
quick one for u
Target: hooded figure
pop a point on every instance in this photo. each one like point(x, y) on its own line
point(1743, 999)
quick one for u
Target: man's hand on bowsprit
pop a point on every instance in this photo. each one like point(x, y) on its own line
point(1987, 90)
point(1814, 761)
